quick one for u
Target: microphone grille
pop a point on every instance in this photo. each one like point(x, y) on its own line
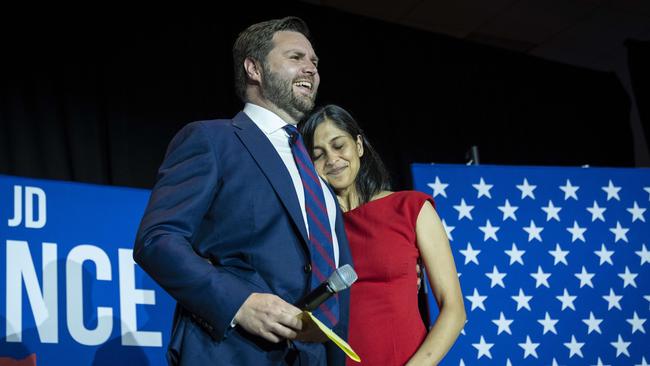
point(342, 278)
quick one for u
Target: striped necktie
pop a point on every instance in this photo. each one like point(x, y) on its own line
point(320, 235)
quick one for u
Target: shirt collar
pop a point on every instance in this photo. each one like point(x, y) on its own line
point(266, 120)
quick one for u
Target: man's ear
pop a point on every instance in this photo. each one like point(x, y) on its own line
point(253, 69)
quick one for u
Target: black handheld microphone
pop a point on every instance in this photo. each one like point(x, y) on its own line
point(339, 280)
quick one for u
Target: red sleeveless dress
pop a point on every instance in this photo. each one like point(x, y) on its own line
point(385, 324)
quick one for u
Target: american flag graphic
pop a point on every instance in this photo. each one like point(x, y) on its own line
point(554, 262)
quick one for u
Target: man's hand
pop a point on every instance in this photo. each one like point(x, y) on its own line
point(310, 331)
point(269, 317)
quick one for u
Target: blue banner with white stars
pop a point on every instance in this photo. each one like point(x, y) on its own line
point(553, 262)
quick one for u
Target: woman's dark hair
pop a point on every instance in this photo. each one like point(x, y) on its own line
point(373, 176)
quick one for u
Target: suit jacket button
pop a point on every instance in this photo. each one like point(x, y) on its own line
point(307, 268)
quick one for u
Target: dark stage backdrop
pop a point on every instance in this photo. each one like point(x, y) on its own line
point(639, 59)
point(97, 97)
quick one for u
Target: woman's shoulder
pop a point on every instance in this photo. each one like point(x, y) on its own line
point(402, 201)
point(416, 197)
point(408, 204)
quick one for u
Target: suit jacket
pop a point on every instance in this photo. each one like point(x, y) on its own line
point(224, 221)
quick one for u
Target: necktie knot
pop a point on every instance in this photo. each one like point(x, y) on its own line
point(293, 133)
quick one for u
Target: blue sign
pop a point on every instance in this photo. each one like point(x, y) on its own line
point(71, 293)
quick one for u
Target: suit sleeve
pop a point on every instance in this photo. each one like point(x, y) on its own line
point(187, 183)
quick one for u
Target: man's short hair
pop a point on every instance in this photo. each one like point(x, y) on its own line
point(256, 42)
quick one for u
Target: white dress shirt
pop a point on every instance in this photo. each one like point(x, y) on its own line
point(272, 126)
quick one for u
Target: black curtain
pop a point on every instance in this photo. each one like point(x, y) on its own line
point(638, 61)
point(97, 97)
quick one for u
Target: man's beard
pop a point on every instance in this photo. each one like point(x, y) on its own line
point(280, 92)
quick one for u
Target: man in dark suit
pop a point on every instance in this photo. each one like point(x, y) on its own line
point(225, 231)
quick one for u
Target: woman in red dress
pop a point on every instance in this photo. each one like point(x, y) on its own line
point(388, 232)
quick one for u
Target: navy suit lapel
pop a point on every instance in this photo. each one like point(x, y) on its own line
point(267, 158)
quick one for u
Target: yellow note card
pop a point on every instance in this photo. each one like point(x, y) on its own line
point(342, 344)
